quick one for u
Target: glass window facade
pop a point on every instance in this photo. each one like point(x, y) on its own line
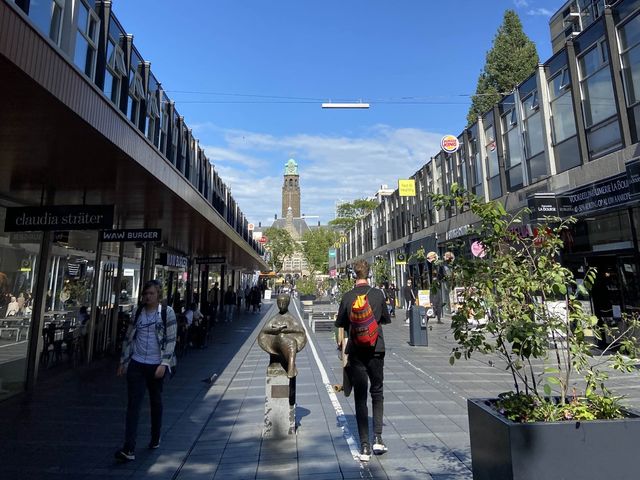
point(561, 107)
point(86, 39)
point(491, 151)
point(48, 16)
point(476, 162)
point(598, 100)
point(629, 42)
point(19, 257)
point(511, 143)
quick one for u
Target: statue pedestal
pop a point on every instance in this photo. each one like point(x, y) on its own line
point(280, 404)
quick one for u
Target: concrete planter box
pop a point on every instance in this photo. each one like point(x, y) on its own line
point(307, 298)
point(505, 450)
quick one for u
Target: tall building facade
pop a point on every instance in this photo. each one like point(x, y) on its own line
point(565, 140)
point(291, 189)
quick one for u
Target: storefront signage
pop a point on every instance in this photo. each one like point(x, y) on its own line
point(25, 237)
point(449, 144)
point(59, 217)
point(173, 260)
point(332, 253)
point(457, 232)
point(407, 188)
point(633, 178)
point(543, 205)
point(131, 235)
point(209, 260)
point(608, 193)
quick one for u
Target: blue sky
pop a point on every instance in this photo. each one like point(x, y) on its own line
point(249, 77)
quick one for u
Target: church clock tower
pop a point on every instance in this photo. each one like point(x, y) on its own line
point(291, 189)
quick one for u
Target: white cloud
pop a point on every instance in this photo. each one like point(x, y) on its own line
point(521, 3)
point(332, 167)
point(545, 12)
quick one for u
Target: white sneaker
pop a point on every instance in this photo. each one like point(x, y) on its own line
point(378, 445)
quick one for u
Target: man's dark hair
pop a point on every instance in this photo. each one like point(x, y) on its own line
point(152, 283)
point(361, 268)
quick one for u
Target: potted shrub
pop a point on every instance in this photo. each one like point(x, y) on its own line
point(519, 302)
point(307, 288)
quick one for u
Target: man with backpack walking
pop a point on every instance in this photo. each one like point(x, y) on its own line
point(147, 355)
point(362, 311)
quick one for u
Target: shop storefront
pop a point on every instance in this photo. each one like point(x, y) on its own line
point(172, 270)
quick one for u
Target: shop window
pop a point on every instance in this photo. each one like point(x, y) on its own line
point(86, 39)
point(116, 70)
point(48, 16)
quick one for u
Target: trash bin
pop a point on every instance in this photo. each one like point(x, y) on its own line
point(418, 327)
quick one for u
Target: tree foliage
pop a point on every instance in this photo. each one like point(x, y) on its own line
point(349, 213)
point(512, 58)
point(280, 245)
point(315, 247)
point(381, 270)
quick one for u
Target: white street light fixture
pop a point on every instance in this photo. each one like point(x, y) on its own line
point(345, 105)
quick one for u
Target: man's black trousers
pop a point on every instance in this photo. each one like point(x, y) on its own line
point(362, 369)
point(141, 377)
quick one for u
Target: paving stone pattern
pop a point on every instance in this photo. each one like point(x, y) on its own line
point(72, 426)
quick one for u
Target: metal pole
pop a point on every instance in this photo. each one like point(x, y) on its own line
point(94, 302)
point(116, 304)
point(37, 313)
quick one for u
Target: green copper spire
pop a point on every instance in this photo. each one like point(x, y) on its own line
point(291, 167)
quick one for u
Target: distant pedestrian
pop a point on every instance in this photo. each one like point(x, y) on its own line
point(409, 298)
point(212, 299)
point(366, 362)
point(229, 303)
point(247, 298)
point(255, 299)
point(437, 304)
point(392, 293)
point(147, 355)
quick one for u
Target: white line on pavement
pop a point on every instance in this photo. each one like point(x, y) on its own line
point(13, 344)
point(342, 421)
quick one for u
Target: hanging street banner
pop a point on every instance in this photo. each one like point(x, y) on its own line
point(58, 217)
point(131, 235)
point(449, 144)
point(407, 188)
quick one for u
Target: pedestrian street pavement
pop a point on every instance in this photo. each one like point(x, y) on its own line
point(213, 430)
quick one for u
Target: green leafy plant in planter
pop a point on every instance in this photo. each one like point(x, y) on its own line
point(520, 303)
point(307, 286)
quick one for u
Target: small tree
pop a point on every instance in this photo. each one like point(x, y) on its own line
point(519, 302)
point(512, 58)
point(315, 247)
point(381, 270)
point(280, 245)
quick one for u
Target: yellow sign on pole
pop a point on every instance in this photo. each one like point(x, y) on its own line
point(407, 188)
